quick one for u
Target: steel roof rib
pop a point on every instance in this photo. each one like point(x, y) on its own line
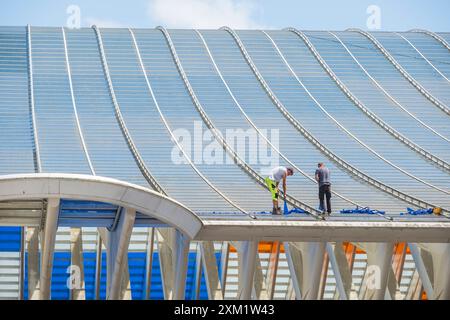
point(140, 162)
point(256, 128)
point(384, 125)
point(174, 138)
point(413, 81)
point(240, 162)
point(32, 106)
point(425, 58)
point(347, 166)
point(311, 47)
point(77, 120)
point(433, 35)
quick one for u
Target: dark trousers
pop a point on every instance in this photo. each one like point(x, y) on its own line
point(325, 191)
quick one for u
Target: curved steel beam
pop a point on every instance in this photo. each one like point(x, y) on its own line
point(353, 170)
point(96, 188)
point(140, 162)
point(272, 97)
point(379, 121)
point(423, 57)
point(37, 156)
point(413, 81)
point(433, 35)
point(252, 123)
point(239, 162)
point(311, 47)
point(166, 124)
point(74, 105)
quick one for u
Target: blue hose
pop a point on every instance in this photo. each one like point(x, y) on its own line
point(417, 212)
point(365, 210)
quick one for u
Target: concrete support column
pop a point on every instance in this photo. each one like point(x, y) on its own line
point(210, 270)
point(198, 271)
point(165, 243)
point(78, 291)
point(247, 252)
point(181, 253)
point(32, 241)
point(98, 264)
point(149, 262)
point(224, 263)
point(379, 259)
point(294, 259)
point(440, 254)
point(272, 269)
point(259, 291)
point(48, 247)
point(341, 270)
point(117, 250)
point(306, 260)
point(424, 268)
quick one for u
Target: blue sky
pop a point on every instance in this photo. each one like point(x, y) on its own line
point(395, 15)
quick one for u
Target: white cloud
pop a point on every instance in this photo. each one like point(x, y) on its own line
point(103, 23)
point(208, 14)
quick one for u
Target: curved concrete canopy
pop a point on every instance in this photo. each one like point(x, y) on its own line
point(95, 188)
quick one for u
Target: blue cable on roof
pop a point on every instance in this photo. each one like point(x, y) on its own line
point(417, 212)
point(365, 210)
point(294, 210)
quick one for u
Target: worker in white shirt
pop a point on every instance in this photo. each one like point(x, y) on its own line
point(273, 180)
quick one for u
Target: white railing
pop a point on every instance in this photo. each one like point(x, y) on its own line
point(37, 156)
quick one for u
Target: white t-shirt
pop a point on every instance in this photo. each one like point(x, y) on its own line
point(277, 173)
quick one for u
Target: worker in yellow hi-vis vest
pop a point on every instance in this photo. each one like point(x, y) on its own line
point(273, 180)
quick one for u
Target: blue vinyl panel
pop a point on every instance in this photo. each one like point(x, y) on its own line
point(16, 138)
point(106, 145)
point(404, 92)
point(147, 130)
point(137, 261)
point(300, 105)
point(10, 238)
point(415, 65)
point(352, 118)
point(223, 111)
point(59, 141)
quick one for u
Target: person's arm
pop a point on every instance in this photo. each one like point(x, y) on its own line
point(317, 176)
point(284, 185)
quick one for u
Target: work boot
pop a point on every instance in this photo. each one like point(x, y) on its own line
point(274, 211)
point(279, 211)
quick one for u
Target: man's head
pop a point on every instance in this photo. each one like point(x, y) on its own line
point(320, 165)
point(290, 171)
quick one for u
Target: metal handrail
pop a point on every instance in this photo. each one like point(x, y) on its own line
point(74, 105)
point(166, 124)
point(239, 162)
point(37, 156)
point(413, 81)
point(353, 170)
point(140, 162)
point(378, 120)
